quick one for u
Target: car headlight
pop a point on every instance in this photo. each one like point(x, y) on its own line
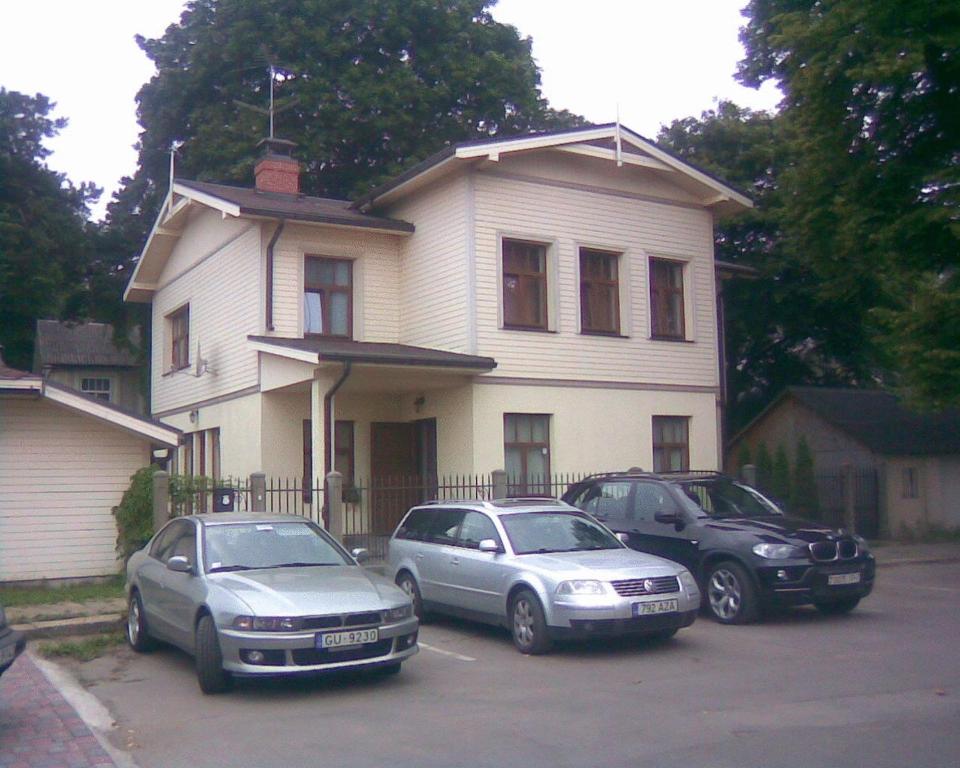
point(397, 614)
point(580, 587)
point(862, 544)
point(268, 623)
point(778, 551)
point(689, 583)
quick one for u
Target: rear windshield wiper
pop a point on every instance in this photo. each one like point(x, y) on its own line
point(300, 565)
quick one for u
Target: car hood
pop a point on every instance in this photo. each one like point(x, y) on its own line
point(601, 563)
point(310, 591)
point(774, 528)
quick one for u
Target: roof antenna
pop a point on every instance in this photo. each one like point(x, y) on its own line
point(619, 148)
point(174, 146)
point(274, 108)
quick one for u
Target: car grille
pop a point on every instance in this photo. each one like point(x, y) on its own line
point(305, 657)
point(655, 586)
point(369, 618)
point(827, 551)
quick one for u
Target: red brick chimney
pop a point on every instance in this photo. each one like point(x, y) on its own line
point(276, 170)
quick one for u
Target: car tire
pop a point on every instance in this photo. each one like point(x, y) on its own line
point(838, 607)
point(528, 625)
point(211, 675)
point(662, 635)
point(137, 635)
point(731, 596)
point(408, 584)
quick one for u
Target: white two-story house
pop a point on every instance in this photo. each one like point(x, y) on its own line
point(542, 304)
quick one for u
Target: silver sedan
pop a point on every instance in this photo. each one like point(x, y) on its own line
point(264, 595)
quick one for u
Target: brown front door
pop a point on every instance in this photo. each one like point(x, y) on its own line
point(403, 464)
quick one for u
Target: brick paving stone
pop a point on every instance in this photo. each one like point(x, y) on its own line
point(39, 728)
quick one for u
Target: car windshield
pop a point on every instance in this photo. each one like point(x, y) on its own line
point(725, 498)
point(540, 532)
point(247, 546)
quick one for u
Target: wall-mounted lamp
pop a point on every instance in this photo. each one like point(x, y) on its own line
point(419, 403)
point(194, 416)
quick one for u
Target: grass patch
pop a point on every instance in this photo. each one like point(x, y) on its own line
point(11, 597)
point(86, 649)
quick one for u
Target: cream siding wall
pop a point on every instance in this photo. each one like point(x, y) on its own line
point(435, 299)
point(376, 277)
point(567, 219)
point(61, 473)
point(223, 289)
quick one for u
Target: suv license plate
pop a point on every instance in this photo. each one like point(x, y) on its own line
point(335, 641)
point(654, 607)
point(836, 579)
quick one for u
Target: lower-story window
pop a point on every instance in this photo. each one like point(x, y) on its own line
point(526, 449)
point(671, 443)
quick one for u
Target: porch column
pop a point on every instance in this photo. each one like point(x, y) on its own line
point(318, 389)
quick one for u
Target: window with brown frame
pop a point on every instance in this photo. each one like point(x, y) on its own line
point(343, 452)
point(666, 299)
point(671, 443)
point(599, 292)
point(524, 285)
point(526, 449)
point(179, 324)
point(328, 297)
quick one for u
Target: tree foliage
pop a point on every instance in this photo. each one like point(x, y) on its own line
point(45, 268)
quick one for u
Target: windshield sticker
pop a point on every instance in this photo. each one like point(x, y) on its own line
point(293, 530)
point(264, 527)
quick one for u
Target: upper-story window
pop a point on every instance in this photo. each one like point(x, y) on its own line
point(179, 326)
point(599, 292)
point(524, 285)
point(96, 387)
point(666, 299)
point(328, 297)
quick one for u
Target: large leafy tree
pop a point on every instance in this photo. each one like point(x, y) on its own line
point(871, 196)
point(45, 266)
point(370, 87)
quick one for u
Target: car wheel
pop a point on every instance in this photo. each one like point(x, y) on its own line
point(211, 675)
point(137, 635)
point(837, 607)
point(731, 594)
point(528, 624)
point(408, 584)
point(662, 635)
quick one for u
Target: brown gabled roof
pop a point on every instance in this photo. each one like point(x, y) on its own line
point(321, 210)
point(344, 350)
point(81, 344)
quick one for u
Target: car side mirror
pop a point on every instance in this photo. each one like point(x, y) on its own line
point(671, 518)
point(180, 564)
point(624, 537)
point(360, 554)
point(488, 545)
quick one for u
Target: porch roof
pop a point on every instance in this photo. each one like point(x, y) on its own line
point(376, 353)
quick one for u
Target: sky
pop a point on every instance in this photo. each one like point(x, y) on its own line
point(654, 60)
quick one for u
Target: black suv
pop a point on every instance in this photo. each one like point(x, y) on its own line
point(745, 553)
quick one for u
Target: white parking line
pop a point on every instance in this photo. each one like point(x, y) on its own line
point(457, 656)
point(938, 589)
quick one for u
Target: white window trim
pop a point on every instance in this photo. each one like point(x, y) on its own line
point(623, 283)
point(689, 317)
point(552, 264)
point(357, 277)
point(168, 336)
point(110, 386)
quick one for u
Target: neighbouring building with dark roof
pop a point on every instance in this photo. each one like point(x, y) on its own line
point(541, 304)
point(914, 456)
point(85, 357)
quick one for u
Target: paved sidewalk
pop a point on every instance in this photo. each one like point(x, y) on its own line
point(39, 728)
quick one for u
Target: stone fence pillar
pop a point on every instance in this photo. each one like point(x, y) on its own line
point(333, 496)
point(499, 477)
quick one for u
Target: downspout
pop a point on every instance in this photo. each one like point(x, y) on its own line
point(273, 241)
point(328, 435)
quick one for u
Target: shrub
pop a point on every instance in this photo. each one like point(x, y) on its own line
point(743, 456)
point(781, 474)
point(134, 513)
point(764, 468)
point(805, 499)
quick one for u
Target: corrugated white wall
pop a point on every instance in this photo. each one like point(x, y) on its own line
point(60, 474)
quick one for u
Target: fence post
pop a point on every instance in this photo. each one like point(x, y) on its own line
point(748, 473)
point(258, 492)
point(161, 498)
point(849, 498)
point(333, 496)
point(499, 477)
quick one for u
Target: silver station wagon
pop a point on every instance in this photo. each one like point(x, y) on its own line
point(540, 567)
point(264, 595)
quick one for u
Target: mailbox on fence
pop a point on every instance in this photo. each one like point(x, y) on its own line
point(224, 499)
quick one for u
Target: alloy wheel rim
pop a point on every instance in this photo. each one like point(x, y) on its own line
point(133, 622)
point(523, 622)
point(724, 593)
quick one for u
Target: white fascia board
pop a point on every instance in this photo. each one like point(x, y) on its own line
point(416, 180)
point(627, 158)
point(533, 142)
point(22, 384)
point(205, 198)
point(166, 435)
point(157, 224)
point(302, 355)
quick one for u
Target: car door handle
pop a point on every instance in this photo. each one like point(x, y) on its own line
point(454, 561)
point(419, 555)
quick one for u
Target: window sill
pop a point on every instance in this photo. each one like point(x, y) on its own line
point(604, 334)
point(525, 330)
point(674, 339)
point(172, 371)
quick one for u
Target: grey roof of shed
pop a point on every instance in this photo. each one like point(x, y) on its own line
point(343, 350)
point(880, 421)
point(81, 344)
point(320, 210)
